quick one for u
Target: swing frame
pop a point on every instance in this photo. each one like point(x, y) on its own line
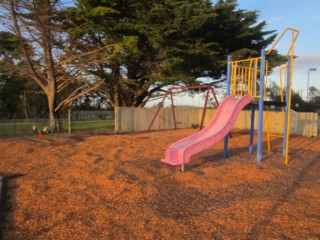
point(170, 93)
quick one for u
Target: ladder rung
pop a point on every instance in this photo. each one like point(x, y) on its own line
point(275, 135)
point(275, 123)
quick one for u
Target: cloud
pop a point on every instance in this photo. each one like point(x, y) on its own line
point(307, 61)
point(316, 17)
point(301, 65)
point(274, 19)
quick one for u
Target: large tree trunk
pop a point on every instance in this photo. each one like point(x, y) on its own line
point(116, 102)
point(25, 108)
point(55, 125)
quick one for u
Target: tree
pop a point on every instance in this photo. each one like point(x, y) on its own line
point(11, 85)
point(165, 42)
point(94, 100)
point(19, 95)
point(314, 93)
point(273, 91)
point(10, 95)
point(39, 27)
point(297, 103)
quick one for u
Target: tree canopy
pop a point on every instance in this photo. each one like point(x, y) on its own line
point(165, 42)
point(11, 86)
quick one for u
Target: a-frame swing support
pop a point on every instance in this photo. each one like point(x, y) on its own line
point(170, 92)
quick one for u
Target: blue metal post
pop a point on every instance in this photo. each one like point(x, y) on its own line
point(260, 123)
point(253, 108)
point(226, 138)
point(286, 109)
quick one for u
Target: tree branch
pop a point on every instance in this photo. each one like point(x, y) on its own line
point(73, 96)
point(17, 30)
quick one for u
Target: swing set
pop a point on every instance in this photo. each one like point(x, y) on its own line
point(175, 90)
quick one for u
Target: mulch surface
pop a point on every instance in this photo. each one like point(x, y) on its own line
point(115, 187)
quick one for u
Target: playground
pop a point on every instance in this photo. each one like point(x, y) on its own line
point(116, 187)
point(172, 184)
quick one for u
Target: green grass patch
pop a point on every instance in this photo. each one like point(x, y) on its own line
point(91, 125)
point(20, 128)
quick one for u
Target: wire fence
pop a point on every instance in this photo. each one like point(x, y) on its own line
point(93, 122)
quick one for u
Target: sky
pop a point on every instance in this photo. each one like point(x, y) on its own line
point(303, 15)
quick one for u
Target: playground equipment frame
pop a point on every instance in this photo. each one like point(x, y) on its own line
point(170, 92)
point(237, 76)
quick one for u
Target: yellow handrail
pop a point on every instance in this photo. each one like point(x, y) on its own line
point(293, 40)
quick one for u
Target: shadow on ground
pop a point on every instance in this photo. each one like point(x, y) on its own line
point(8, 187)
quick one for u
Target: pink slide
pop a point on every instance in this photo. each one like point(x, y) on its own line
point(220, 125)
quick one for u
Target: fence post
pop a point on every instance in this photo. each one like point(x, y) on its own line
point(15, 127)
point(117, 119)
point(69, 120)
point(318, 133)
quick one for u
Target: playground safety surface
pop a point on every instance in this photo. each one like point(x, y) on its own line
point(115, 187)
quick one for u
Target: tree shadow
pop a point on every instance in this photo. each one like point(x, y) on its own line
point(198, 159)
point(5, 202)
point(282, 198)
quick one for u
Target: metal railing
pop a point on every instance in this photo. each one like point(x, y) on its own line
point(245, 73)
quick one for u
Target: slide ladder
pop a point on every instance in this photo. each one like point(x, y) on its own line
point(276, 119)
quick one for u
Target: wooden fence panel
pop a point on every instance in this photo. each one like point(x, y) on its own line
point(305, 124)
point(186, 117)
point(139, 119)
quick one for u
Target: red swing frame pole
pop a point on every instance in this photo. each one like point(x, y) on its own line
point(158, 110)
point(169, 91)
point(173, 110)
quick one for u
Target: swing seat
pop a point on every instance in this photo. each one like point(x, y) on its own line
point(44, 129)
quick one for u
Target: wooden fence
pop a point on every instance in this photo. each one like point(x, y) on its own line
point(138, 119)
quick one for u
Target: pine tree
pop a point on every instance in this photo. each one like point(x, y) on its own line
point(163, 42)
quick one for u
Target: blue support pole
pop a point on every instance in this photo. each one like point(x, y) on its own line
point(288, 87)
point(252, 128)
point(260, 123)
point(226, 138)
